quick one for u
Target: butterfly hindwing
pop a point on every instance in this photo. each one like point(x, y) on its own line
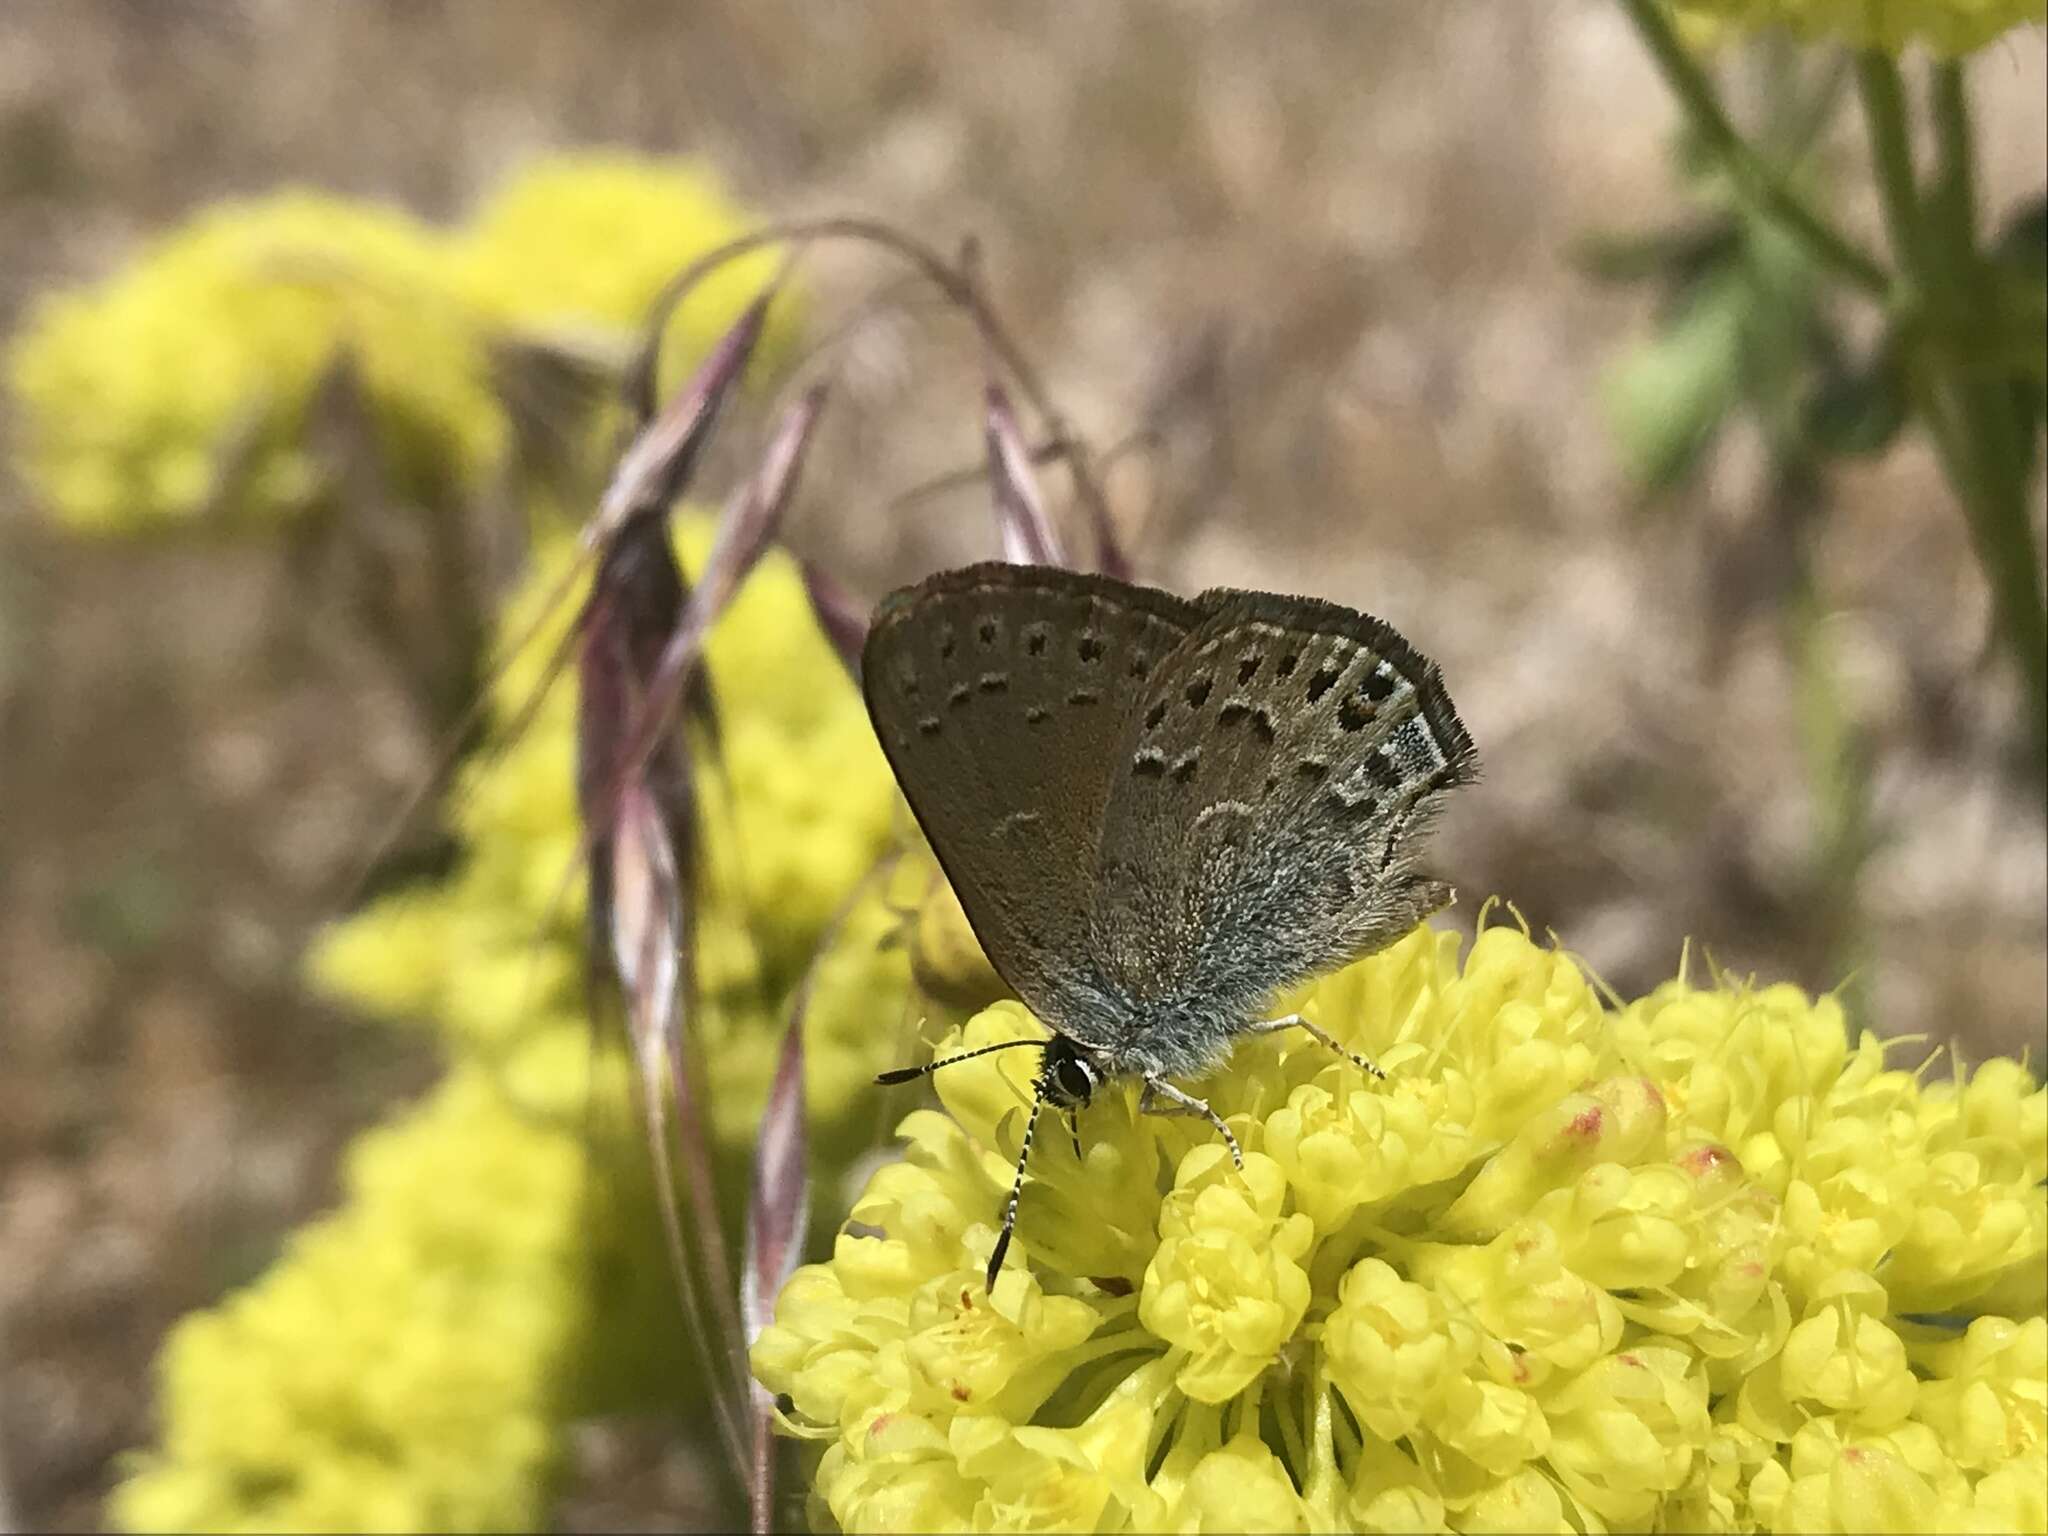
point(1265, 813)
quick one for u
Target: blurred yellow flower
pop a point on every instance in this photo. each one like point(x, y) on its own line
point(401, 1368)
point(179, 385)
point(409, 1362)
point(584, 243)
point(178, 388)
point(1567, 1268)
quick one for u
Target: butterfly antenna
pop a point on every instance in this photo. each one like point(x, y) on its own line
point(995, 1259)
point(907, 1074)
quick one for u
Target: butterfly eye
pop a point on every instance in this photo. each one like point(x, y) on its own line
point(1075, 1079)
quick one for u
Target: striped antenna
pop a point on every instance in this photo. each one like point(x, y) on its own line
point(995, 1260)
point(908, 1074)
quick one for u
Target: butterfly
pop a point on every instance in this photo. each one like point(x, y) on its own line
point(1158, 812)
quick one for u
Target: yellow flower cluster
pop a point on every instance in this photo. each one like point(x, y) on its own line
point(399, 1368)
point(408, 1363)
point(1949, 26)
point(181, 385)
point(1698, 1263)
point(177, 390)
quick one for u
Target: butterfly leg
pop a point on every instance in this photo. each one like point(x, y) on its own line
point(1162, 1098)
point(1296, 1021)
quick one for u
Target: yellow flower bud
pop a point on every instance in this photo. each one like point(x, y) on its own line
point(1226, 1284)
point(1988, 1399)
point(1842, 1358)
point(1525, 1501)
point(2014, 1497)
point(1630, 1429)
point(1864, 1490)
point(1389, 1349)
point(1240, 1486)
point(1616, 1121)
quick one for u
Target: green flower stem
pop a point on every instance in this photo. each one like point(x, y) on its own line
point(1290, 1432)
point(1955, 201)
point(1945, 289)
point(1758, 183)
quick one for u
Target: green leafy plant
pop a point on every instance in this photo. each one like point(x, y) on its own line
point(1757, 293)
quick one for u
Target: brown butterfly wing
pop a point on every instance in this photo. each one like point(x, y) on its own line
point(1003, 696)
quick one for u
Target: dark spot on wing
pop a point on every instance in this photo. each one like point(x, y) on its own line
point(1324, 680)
point(1198, 692)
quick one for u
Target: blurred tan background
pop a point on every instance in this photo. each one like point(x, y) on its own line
point(1323, 250)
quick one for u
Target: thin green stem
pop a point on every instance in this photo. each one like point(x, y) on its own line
point(1759, 184)
point(1954, 205)
point(1951, 308)
point(1891, 149)
point(2006, 541)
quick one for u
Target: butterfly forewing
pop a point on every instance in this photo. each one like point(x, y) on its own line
point(1265, 813)
point(1004, 696)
